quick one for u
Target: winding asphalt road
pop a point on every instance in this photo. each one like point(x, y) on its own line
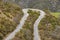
point(36, 35)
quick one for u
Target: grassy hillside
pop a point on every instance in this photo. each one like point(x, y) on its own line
point(56, 14)
point(26, 33)
point(49, 27)
point(10, 15)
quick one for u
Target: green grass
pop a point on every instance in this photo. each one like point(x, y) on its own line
point(56, 14)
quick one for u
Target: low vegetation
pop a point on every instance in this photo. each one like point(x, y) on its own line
point(26, 33)
point(10, 16)
point(49, 27)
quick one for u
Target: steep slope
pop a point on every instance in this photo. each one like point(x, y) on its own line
point(10, 15)
point(26, 32)
point(49, 27)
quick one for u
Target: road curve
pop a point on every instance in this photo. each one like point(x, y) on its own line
point(12, 35)
point(36, 34)
point(42, 15)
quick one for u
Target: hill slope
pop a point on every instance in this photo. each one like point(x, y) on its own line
point(49, 27)
point(27, 31)
point(10, 15)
